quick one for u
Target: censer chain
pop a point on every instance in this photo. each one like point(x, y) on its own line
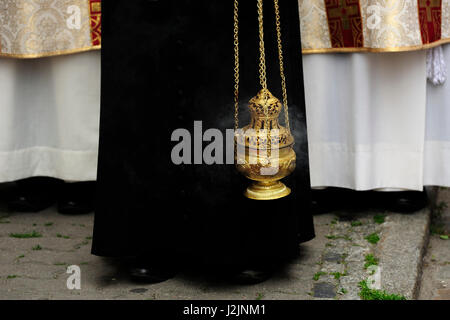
point(280, 57)
point(236, 65)
point(262, 62)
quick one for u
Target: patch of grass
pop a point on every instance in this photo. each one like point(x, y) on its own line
point(88, 238)
point(356, 223)
point(333, 237)
point(61, 236)
point(373, 238)
point(60, 264)
point(318, 275)
point(335, 220)
point(79, 245)
point(21, 256)
point(259, 296)
point(444, 237)
point(33, 234)
point(36, 248)
point(48, 224)
point(12, 276)
point(370, 261)
point(437, 229)
point(373, 294)
point(439, 209)
point(379, 218)
point(84, 263)
point(343, 291)
point(338, 275)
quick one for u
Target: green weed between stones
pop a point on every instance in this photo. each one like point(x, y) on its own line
point(370, 261)
point(318, 275)
point(437, 228)
point(343, 291)
point(333, 237)
point(338, 275)
point(356, 223)
point(33, 234)
point(12, 276)
point(79, 245)
point(439, 209)
point(373, 238)
point(379, 218)
point(36, 248)
point(373, 294)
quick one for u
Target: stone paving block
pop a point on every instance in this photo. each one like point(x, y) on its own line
point(338, 251)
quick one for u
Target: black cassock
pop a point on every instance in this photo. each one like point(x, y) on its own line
point(166, 64)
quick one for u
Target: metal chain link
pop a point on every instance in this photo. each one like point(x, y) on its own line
point(280, 57)
point(262, 53)
point(236, 64)
point(263, 74)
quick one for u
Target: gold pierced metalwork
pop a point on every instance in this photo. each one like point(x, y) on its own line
point(264, 148)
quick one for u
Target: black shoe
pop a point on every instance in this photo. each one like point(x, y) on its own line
point(145, 272)
point(324, 201)
point(251, 276)
point(404, 201)
point(335, 199)
point(76, 198)
point(34, 194)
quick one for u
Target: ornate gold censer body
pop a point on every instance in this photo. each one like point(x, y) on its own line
point(264, 148)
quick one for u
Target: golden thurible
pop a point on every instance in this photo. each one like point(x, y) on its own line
point(265, 151)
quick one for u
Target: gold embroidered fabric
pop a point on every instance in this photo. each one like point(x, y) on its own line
point(39, 28)
point(373, 25)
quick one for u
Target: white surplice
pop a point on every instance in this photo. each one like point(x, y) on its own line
point(374, 122)
point(49, 117)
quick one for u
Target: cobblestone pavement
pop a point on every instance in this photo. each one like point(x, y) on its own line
point(37, 248)
point(435, 284)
